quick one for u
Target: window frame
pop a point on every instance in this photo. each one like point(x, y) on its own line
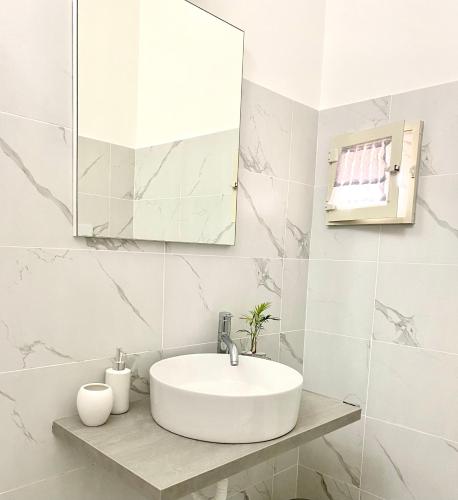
point(400, 173)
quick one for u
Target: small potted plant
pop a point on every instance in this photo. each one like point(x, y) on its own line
point(256, 320)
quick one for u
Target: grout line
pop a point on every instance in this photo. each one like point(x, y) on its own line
point(110, 167)
point(390, 107)
point(141, 252)
point(278, 473)
point(366, 402)
point(390, 262)
point(44, 480)
point(88, 249)
point(369, 261)
point(108, 357)
point(332, 478)
point(219, 256)
point(419, 349)
point(412, 429)
point(35, 120)
point(163, 299)
point(378, 341)
point(281, 179)
point(433, 264)
point(285, 225)
point(187, 346)
point(307, 290)
point(335, 334)
point(369, 493)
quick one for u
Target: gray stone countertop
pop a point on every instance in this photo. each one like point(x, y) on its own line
point(165, 466)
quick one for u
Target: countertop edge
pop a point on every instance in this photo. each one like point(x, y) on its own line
point(132, 478)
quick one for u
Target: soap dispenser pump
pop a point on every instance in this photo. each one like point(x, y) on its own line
point(118, 378)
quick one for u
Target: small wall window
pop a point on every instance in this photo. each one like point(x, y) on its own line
point(373, 175)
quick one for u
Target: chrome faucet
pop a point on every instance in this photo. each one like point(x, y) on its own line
point(225, 343)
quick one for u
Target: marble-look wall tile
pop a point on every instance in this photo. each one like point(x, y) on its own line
point(35, 161)
point(36, 61)
point(121, 223)
point(90, 483)
point(93, 167)
point(298, 221)
point(156, 172)
point(434, 236)
point(208, 219)
point(340, 297)
point(367, 496)
point(303, 144)
point(337, 366)
point(260, 222)
point(60, 306)
point(313, 485)
point(414, 305)
point(192, 349)
point(122, 172)
point(262, 199)
point(337, 454)
point(197, 166)
point(261, 212)
point(250, 477)
point(285, 484)
point(66, 485)
point(292, 350)
point(93, 215)
point(267, 344)
point(294, 295)
point(403, 465)
point(210, 164)
point(437, 107)
point(415, 388)
point(286, 460)
point(350, 118)
point(260, 491)
point(265, 131)
point(417, 305)
point(340, 242)
point(29, 401)
point(197, 288)
point(252, 483)
point(157, 219)
point(140, 363)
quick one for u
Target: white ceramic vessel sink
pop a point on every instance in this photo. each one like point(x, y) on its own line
point(202, 396)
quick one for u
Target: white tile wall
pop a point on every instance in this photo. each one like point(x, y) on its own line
point(68, 303)
point(398, 293)
point(340, 297)
point(402, 464)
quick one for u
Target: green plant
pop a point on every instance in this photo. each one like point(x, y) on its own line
point(256, 320)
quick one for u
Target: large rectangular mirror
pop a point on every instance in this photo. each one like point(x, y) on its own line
point(158, 90)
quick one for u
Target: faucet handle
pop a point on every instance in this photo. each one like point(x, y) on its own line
point(224, 323)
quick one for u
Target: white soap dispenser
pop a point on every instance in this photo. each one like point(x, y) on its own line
point(118, 378)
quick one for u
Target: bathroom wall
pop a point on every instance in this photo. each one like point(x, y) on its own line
point(374, 48)
point(382, 310)
point(67, 303)
point(283, 43)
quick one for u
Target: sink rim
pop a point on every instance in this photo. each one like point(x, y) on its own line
point(246, 359)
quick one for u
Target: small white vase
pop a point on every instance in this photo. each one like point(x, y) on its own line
point(94, 403)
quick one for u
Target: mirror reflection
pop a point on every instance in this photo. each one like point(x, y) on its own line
point(158, 100)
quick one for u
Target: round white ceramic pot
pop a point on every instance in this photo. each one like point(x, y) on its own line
point(94, 403)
